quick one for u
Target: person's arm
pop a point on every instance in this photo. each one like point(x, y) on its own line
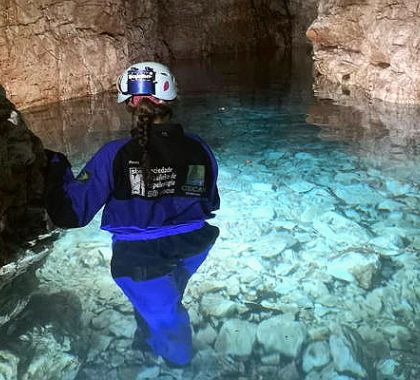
point(73, 202)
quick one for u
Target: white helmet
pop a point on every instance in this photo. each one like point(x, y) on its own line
point(146, 78)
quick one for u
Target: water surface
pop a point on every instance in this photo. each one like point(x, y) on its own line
point(316, 272)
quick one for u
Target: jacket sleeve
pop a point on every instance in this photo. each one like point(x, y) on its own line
point(73, 202)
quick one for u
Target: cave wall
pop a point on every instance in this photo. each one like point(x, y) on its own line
point(53, 50)
point(368, 48)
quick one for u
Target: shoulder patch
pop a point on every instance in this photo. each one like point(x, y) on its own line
point(83, 176)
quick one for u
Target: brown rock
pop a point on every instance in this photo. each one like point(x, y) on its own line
point(371, 47)
point(54, 50)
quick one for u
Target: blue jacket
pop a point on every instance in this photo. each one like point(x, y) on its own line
point(175, 194)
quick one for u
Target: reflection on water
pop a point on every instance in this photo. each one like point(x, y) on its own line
point(316, 273)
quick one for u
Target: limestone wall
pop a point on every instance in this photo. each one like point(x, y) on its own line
point(53, 50)
point(371, 47)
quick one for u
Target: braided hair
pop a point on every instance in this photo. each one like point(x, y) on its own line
point(144, 115)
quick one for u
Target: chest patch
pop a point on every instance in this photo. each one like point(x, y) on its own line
point(194, 184)
point(160, 181)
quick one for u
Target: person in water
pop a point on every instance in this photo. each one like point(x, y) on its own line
point(158, 188)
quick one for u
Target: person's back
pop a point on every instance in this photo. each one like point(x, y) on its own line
point(158, 188)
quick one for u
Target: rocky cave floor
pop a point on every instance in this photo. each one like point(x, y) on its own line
point(316, 275)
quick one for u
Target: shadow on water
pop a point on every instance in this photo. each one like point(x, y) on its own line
point(319, 232)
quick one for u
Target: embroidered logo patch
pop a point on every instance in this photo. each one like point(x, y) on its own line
point(83, 176)
point(194, 184)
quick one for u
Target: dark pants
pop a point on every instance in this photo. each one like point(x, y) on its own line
point(153, 274)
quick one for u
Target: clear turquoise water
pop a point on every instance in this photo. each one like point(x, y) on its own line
point(319, 224)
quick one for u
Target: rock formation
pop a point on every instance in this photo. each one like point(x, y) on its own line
point(21, 180)
point(369, 48)
point(22, 217)
point(55, 50)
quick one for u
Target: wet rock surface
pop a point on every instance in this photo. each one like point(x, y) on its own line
point(21, 181)
point(24, 237)
point(368, 48)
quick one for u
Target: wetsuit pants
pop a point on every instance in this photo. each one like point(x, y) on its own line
point(153, 274)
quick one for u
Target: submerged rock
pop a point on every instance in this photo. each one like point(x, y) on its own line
point(358, 194)
point(316, 355)
point(22, 160)
point(217, 306)
point(50, 359)
point(148, 373)
point(336, 228)
point(280, 334)
point(347, 350)
point(236, 337)
point(205, 337)
point(360, 268)
point(8, 366)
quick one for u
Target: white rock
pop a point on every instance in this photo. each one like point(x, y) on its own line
point(52, 364)
point(398, 188)
point(98, 344)
point(272, 359)
point(316, 355)
point(148, 373)
point(236, 338)
point(263, 214)
point(390, 205)
point(347, 178)
point(373, 302)
point(205, 337)
point(273, 155)
point(232, 286)
point(338, 229)
point(248, 275)
point(264, 187)
point(301, 186)
point(416, 242)
point(358, 194)
point(327, 373)
point(210, 286)
point(289, 284)
point(289, 372)
point(124, 327)
point(305, 156)
point(345, 349)
point(285, 224)
point(398, 335)
point(105, 319)
point(278, 334)
point(320, 311)
point(355, 267)
point(390, 242)
point(253, 263)
point(217, 306)
point(387, 368)
point(8, 366)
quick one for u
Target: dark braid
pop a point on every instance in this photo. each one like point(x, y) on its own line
point(145, 115)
